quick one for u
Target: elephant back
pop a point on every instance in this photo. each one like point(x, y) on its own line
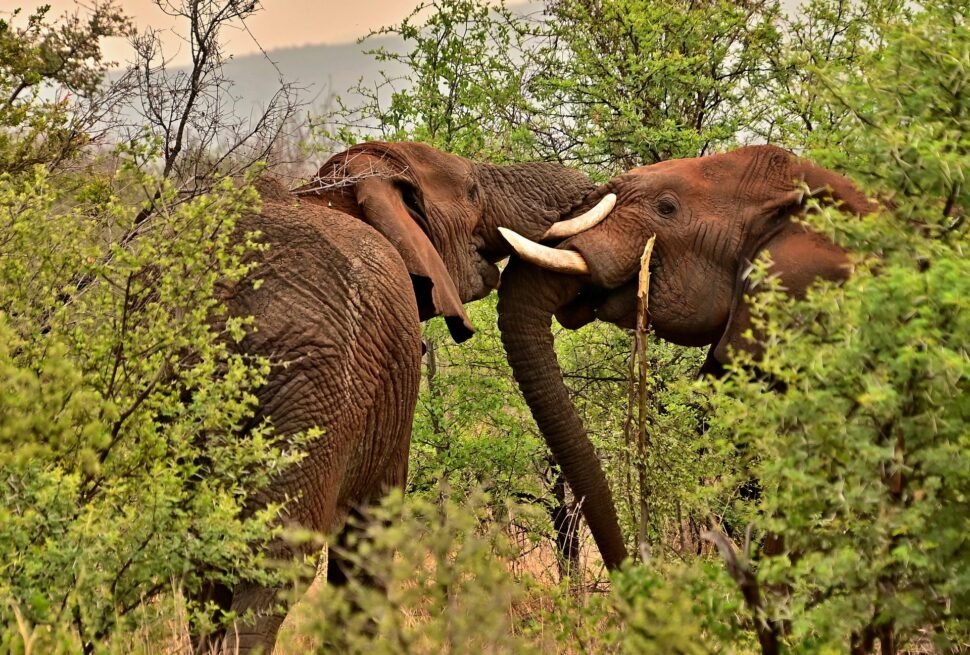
point(328, 294)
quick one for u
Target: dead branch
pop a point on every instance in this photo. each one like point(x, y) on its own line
point(192, 111)
point(747, 582)
point(640, 346)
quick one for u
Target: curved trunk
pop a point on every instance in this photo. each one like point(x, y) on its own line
point(528, 297)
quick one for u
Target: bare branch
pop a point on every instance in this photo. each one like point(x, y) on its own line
point(192, 111)
point(747, 582)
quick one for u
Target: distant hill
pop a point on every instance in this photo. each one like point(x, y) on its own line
point(322, 70)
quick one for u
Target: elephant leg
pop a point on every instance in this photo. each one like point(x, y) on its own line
point(268, 606)
point(212, 593)
point(261, 611)
point(341, 567)
point(258, 634)
point(254, 635)
point(388, 432)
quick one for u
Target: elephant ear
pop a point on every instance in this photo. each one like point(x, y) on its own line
point(381, 202)
point(835, 188)
point(799, 256)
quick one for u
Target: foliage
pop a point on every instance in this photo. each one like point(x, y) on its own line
point(470, 428)
point(445, 585)
point(122, 465)
point(461, 91)
point(673, 608)
point(38, 57)
point(795, 108)
point(907, 108)
point(863, 457)
point(639, 82)
point(126, 478)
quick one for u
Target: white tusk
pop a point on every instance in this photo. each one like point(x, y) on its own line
point(582, 223)
point(562, 261)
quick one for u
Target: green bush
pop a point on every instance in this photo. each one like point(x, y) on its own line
point(864, 458)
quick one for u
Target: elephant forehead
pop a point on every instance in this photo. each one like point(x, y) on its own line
point(684, 176)
point(437, 167)
point(751, 172)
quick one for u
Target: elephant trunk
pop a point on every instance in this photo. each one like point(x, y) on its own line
point(528, 297)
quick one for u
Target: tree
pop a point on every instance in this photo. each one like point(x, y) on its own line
point(793, 107)
point(462, 89)
point(631, 83)
point(38, 130)
point(189, 111)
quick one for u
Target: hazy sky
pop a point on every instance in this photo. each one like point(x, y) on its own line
point(281, 23)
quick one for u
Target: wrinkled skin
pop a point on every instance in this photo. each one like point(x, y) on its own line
point(389, 235)
point(442, 213)
point(712, 216)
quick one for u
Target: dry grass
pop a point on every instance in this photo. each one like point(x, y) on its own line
point(535, 568)
point(535, 615)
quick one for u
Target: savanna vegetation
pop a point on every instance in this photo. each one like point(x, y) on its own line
point(122, 468)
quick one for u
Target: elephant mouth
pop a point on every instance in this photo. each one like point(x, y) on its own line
point(491, 276)
point(489, 280)
point(604, 297)
point(614, 303)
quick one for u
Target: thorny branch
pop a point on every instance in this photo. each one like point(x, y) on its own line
point(349, 173)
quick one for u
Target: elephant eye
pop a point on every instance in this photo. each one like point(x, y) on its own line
point(473, 192)
point(666, 207)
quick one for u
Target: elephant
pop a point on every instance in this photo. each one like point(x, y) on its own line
point(711, 216)
point(385, 236)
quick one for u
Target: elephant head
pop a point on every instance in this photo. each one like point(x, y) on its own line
point(712, 216)
point(442, 213)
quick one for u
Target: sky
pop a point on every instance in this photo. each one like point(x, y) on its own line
point(280, 24)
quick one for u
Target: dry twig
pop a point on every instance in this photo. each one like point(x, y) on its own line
point(640, 348)
point(747, 582)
